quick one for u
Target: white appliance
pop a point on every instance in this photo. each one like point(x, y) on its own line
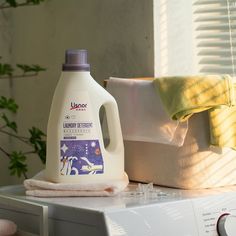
point(160, 212)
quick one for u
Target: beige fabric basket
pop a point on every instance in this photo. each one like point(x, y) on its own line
point(194, 165)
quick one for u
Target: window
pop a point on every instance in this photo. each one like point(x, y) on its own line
point(215, 22)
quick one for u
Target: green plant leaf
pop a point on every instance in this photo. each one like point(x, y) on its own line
point(36, 133)
point(24, 68)
point(37, 68)
point(17, 165)
point(12, 3)
point(10, 124)
point(8, 104)
point(35, 2)
point(6, 69)
point(41, 151)
point(30, 68)
point(38, 142)
point(15, 3)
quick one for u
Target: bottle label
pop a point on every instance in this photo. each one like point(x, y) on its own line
point(79, 147)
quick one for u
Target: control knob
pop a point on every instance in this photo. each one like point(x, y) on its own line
point(226, 225)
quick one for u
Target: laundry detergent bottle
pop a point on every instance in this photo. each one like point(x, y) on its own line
point(75, 147)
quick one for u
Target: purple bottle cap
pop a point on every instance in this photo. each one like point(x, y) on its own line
point(76, 60)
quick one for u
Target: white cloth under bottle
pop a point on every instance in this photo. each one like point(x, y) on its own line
point(38, 186)
point(142, 115)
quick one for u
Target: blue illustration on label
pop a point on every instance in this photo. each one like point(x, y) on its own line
point(81, 157)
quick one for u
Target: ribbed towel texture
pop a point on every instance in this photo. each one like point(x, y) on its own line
point(184, 96)
point(38, 186)
point(7, 227)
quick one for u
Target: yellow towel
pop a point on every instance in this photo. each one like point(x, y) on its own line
point(184, 96)
point(223, 126)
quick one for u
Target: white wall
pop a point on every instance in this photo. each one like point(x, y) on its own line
point(5, 49)
point(175, 43)
point(117, 33)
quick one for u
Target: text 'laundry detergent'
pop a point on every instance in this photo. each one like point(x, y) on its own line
point(75, 147)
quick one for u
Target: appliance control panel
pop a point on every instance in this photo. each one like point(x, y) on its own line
point(226, 225)
point(216, 215)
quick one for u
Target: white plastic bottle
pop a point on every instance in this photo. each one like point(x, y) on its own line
point(75, 148)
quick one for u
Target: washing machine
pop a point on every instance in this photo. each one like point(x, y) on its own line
point(152, 212)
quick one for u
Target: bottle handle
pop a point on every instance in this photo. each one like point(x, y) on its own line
point(113, 123)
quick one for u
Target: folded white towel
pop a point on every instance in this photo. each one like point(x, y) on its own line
point(142, 115)
point(39, 187)
point(7, 227)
